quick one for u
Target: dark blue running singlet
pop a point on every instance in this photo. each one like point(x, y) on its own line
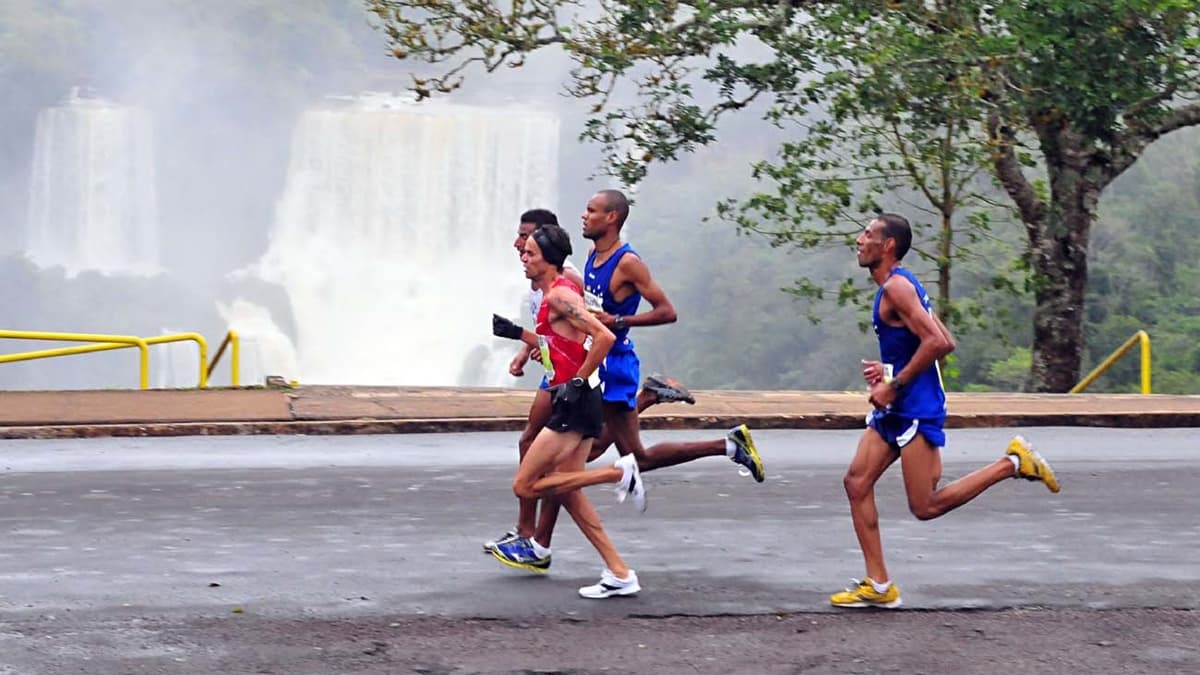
point(597, 282)
point(923, 397)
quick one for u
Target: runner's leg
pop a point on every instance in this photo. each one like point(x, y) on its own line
point(871, 459)
point(539, 414)
point(922, 467)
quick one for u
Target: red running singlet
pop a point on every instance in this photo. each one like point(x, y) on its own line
point(566, 355)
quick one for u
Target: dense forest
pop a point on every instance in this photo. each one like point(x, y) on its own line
point(226, 85)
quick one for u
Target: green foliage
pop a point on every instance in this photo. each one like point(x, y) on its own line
point(1145, 242)
point(1011, 373)
point(1056, 97)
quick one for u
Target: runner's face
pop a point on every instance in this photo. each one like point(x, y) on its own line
point(531, 257)
point(524, 230)
point(596, 218)
point(871, 244)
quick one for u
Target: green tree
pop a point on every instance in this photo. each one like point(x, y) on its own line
point(867, 134)
point(1067, 93)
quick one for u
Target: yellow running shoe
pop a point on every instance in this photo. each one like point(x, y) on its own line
point(1032, 466)
point(865, 595)
point(745, 453)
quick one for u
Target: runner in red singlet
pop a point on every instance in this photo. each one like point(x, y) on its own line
point(554, 464)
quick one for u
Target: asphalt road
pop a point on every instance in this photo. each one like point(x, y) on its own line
point(361, 554)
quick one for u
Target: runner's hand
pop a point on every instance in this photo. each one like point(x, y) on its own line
point(882, 395)
point(872, 372)
point(516, 367)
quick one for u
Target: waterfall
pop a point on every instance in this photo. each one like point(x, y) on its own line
point(393, 237)
point(92, 201)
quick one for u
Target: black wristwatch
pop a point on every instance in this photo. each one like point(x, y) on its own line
point(619, 323)
point(897, 384)
point(577, 382)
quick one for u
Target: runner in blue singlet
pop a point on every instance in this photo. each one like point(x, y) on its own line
point(621, 370)
point(909, 409)
point(615, 282)
point(922, 407)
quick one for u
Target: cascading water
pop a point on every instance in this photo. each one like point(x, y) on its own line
point(92, 200)
point(393, 237)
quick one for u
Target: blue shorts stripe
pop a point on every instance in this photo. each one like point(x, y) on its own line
point(899, 430)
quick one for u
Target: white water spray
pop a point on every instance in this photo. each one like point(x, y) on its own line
point(393, 237)
point(92, 199)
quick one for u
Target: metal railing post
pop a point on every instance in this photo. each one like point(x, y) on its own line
point(235, 357)
point(1139, 337)
point(194, 337)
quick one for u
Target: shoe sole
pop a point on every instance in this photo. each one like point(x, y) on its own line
point(639, 495)
point(620, 593)
point(1047, 473)
point(881, 605)
point(1047, 476)
point(623, 494)
point(528, 567)
point(761, 474)
point(681, 396)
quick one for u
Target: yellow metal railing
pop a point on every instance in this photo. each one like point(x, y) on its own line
point(104, 342)
point(1138, 337)
point(235, 356)
point(181, 337)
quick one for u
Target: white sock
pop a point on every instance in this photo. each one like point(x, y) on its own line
point(542, 551)
point(1016, 464)
point(730, 447)
point(880, 587)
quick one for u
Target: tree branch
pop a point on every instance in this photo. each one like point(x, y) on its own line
point(1012, 178)
point(1129, 146)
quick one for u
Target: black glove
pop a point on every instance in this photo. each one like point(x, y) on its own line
point(502, 327)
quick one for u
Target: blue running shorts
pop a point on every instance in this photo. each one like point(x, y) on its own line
point(620, 374)
point(899, 430)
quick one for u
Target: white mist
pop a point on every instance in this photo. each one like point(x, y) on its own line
point(92, 198)
point(393, 237)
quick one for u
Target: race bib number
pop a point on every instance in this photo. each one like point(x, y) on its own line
point(593, 302)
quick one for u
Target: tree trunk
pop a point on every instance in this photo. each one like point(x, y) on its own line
point(945, 243)
point(1059, 247)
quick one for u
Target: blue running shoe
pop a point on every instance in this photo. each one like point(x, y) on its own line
point(489, 546)
point(519, 553)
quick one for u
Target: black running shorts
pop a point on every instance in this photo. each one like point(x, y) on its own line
point(580, 411)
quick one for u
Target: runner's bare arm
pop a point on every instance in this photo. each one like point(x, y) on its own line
point(901, 297)
point(633, 270)
point(570, 307)
point(936, 340)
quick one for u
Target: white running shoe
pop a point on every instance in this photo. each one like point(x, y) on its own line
point(631, 482)
point(609, 585)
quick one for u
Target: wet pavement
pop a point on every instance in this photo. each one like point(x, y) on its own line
point(121, 541)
